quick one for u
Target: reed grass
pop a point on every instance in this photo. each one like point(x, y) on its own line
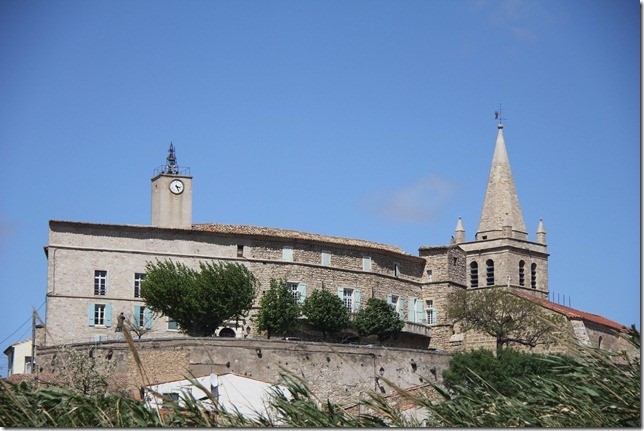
point(593, 390)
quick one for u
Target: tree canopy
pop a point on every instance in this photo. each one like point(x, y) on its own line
point(199, 301)
point(481, 367)
point(499, 313)
point(279, 310)
point(325, 312)
point(378, 318)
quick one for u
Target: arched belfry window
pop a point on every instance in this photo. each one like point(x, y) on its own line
point(489, 266)
point(521, 273)
point(533, 275)
point(474, 274)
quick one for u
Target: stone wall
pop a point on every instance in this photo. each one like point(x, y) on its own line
point(77, 250)
point(339, 372)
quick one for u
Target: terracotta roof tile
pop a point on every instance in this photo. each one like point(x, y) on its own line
point(294, 235)
point(573, 313)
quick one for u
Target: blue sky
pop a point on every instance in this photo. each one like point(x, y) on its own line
point(365, 119)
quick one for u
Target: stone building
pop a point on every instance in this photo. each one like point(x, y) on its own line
point(95, 270)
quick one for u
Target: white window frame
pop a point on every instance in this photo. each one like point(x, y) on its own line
point(138, 279)
point(287, 253)
point(366, 263)
point(430, 312)
point(99, 314)
point(326, 258)
point(100, 282)
point(294, 288)
point(347, 298)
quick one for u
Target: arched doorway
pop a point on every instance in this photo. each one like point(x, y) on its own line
point(227, 332)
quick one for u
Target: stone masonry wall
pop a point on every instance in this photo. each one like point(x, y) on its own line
point(76, 251)
point(335, 371)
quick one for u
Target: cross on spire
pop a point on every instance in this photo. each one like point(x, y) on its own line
point(498, 115)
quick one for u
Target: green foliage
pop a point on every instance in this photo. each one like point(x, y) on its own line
point(325, 312)
point(199, 301)
point(589, 391)
point(500, 314)
point(500, 373)
point(378, 318)
point(279, 310)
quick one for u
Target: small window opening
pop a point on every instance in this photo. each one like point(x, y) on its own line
point(474, 274)
point(490, 272)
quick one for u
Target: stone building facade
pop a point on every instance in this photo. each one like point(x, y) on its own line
point(95, 270)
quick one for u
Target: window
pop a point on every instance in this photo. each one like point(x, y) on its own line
point(287, 253)
point(366, 263)
point(431, 312)
point(100, 315)
point(326, 258)
point(172, 324)
point(430, 275)
point(138, 279)
point(298, 290)
point(396, 303)
point(489, 265)
point(415, 311)
point(143, 316)
point(521, 273)
point(100, 283)
point(533, 275)
point(396, 270)
point(350, 298)
point(240, 250)
point(474, 274)
point(454, 260)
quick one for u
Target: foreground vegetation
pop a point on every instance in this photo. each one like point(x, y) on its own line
point(591, 391)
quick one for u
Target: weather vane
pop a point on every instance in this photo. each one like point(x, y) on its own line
point(498, 115)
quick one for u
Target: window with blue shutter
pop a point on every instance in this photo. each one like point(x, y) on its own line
point(356, 300)
point(137, 316)
point(108, 315)
point(401, 307)
point(90, 315)
point(420, 312)
point(301, 292)
point(148, 318)
point(411, 309)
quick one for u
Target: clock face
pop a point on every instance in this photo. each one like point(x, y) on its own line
point(176, 187)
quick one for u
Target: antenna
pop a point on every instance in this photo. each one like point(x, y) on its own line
point(498, 115)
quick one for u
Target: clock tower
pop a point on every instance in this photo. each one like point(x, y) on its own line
point(172, 195)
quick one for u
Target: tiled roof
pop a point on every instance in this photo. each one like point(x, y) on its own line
point(573, 313)
point(270, 232)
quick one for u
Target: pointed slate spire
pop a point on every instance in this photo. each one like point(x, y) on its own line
point(501, 204)
point(459, 232)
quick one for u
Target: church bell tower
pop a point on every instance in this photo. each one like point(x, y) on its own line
point(172, 195)
point(501, 253)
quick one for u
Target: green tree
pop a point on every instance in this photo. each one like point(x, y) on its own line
point(502, 372)
point(500, 314)
point(279, 310)
point(199, 301)
point(325, 312)
point(378, 318)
